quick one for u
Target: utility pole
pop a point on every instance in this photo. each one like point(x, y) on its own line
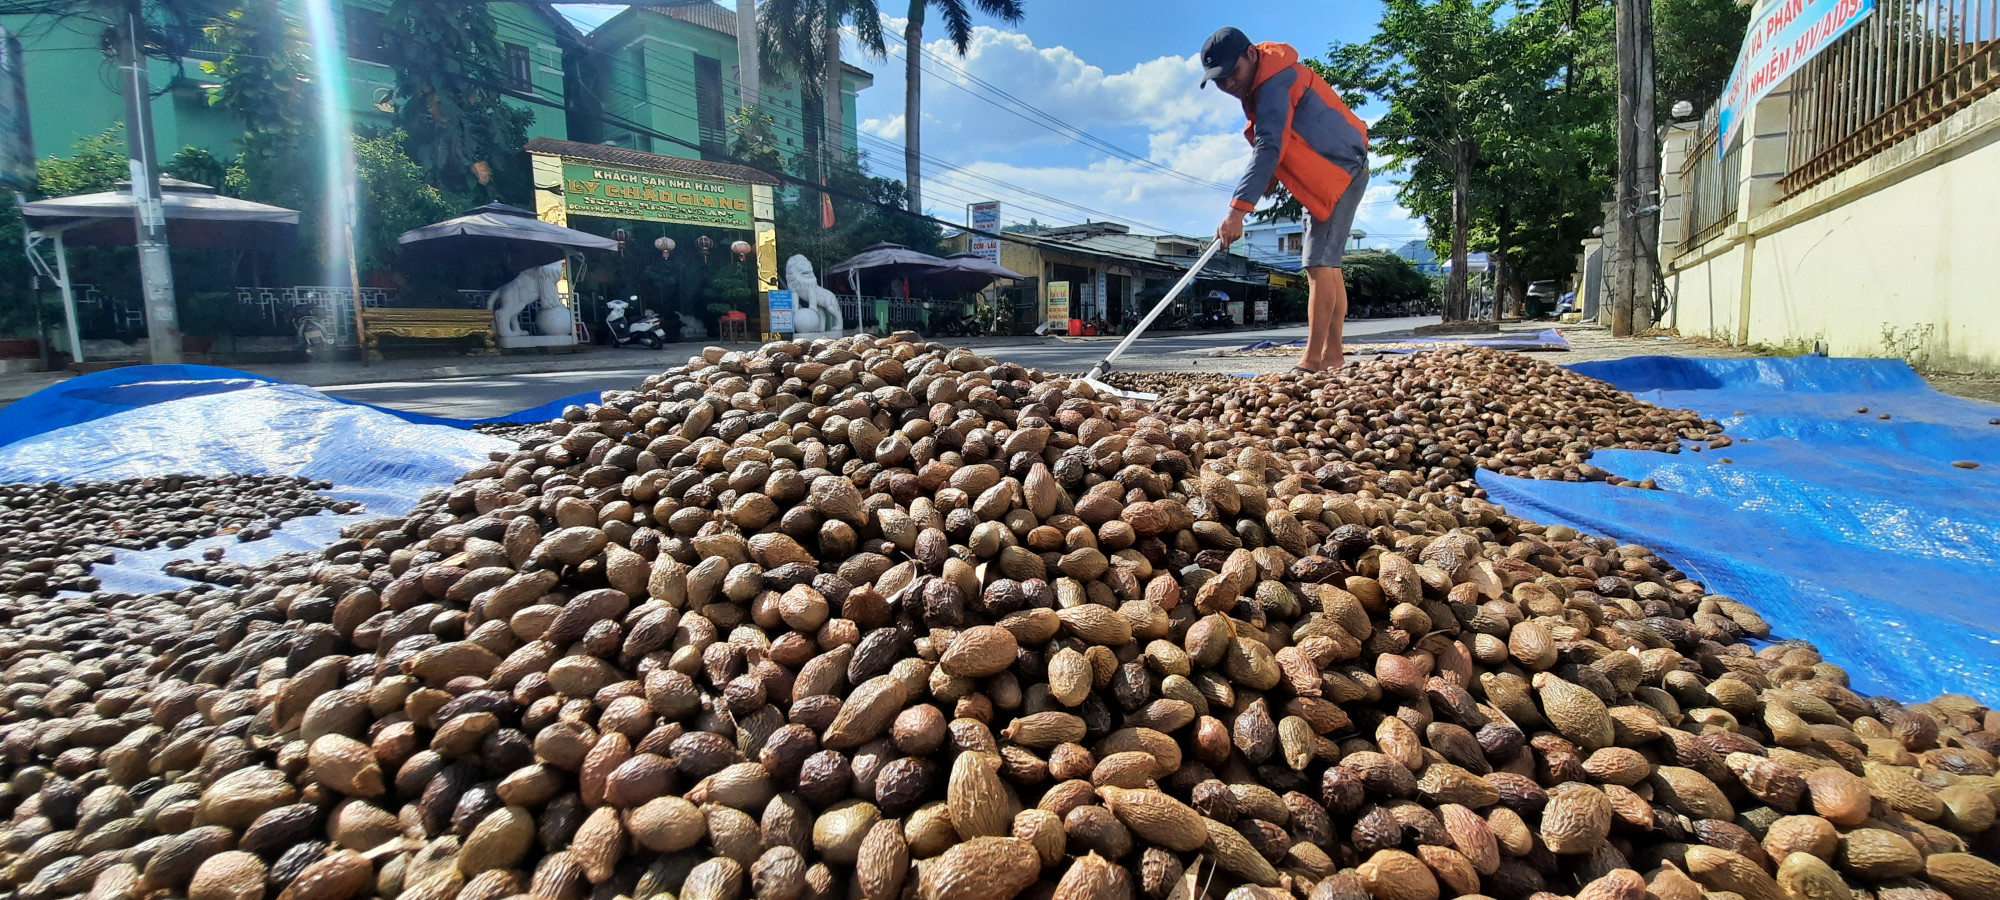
point(156, 274)
point(746, 53)
point(1634, 200)
point(1646, 178)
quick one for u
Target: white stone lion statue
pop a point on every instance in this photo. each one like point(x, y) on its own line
point(537, 284)
point(815, 310)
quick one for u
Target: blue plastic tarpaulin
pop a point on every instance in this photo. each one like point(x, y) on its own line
point(1546, 339)
point(1849, 530)
point(99, 394)
point(235, 424)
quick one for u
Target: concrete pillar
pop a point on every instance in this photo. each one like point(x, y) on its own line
point(1767, 141)
point(1676, 190)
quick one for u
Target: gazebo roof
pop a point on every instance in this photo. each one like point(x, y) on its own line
point(196, 217)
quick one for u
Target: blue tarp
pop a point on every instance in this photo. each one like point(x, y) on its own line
point(236, 424)
point(1848, 530)
point(1546, 339)
point(99, 394)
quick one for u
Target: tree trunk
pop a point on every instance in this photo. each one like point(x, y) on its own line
point(1506, 280)
point(1457, 299)
point(831, 101)
point(913, 106)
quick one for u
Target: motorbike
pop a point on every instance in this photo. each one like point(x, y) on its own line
point(1210, 320)
point(958, 326)
point(646, 331)
point(306, 326)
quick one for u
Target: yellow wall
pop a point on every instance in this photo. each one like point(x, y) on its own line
point(1708, 295)
point(1894, 257)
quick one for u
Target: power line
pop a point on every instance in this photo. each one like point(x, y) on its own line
point(648, 77)
point(1050, 121)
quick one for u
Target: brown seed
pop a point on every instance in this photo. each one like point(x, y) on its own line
point(1577, 818)
point(1157, 818)
point(1395, 875)
point(882, 862)
point(233, 875)
point(982, 868)
point(1090, 877)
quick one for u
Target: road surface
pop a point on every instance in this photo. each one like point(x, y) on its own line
point(478, 396)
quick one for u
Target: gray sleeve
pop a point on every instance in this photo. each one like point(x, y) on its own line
point(1274, 112)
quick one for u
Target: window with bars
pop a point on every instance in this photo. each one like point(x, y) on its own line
point(1294, 243)
point(708, 104)
point(520, 69)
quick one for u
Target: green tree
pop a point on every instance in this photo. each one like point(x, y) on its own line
point(1381, 277)
point(1499, 122)
point(394, 197)
point(95, 163)
point(1694, 46)
point(449, 100)
point(754, 143)
point(958, 27)
point(803, 37)
point(1438, 65)
point(856, 224)
point(198, 165)
point(1545, 164)
point(265, 82)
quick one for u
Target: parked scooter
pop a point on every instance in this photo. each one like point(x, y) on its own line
point(961, 326)
point(646, 331)
point(1208, 321)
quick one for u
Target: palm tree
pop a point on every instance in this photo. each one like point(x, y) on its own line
point(958, 27)
point(803, 36)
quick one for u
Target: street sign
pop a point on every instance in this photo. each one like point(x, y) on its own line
point(1058, 307)
point(985, 239)
point(781, 312)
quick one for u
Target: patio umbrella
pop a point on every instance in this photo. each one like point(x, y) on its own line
point(197, 217)
point(885, 260)
point(969, 272)
point(510, 232)
point(889, 261)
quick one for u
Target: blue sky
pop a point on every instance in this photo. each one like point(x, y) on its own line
point(1123, 72)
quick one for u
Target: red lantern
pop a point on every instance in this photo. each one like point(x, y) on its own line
point(621, 236)
point(741, 249)
point(706, 244)
point(665, 245)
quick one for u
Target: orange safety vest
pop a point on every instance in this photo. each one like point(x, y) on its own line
point(1312, 178)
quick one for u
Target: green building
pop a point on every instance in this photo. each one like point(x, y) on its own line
point(674, 71)
point(670, 71)
point(73, 89)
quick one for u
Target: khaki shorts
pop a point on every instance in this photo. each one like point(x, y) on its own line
point(1326, 239)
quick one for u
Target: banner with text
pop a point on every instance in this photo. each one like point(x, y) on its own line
point(985, 230)
point(1058, 307)
point(614, 192)
point(1780, 40)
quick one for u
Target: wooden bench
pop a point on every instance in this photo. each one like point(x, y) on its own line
point(426, 325)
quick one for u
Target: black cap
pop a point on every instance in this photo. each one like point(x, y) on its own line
point(1220, 53)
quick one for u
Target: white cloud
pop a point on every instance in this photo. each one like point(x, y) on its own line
point(889, 128)
point(1156, 110)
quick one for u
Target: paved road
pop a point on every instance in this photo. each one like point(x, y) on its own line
point(491, 395)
